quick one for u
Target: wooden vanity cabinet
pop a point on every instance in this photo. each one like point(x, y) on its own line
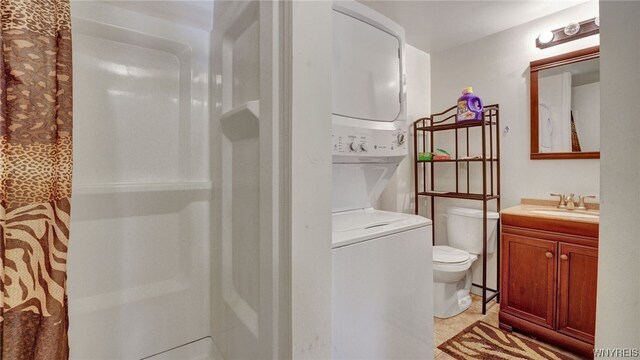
point(549, 280)
point(529, 272)
point(577, 279)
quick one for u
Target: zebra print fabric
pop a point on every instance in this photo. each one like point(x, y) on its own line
point(35, 177)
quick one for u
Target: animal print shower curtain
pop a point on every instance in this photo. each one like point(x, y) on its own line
point(35, 177)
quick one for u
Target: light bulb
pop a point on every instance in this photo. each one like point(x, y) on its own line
point(572, 29)
point(545, 37)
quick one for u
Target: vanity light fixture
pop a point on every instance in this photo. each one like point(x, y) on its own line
point(545, 37)
point(572, 31)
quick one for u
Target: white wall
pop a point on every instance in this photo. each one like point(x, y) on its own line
point(586, 113)
point(498, 70)
point(398, 195)
point(497, 67)
point(618, 309)
point(312, 51)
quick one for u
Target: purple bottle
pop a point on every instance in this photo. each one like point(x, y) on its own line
point(469, 106)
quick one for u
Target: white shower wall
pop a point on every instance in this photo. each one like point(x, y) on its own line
point(138, 264)
point(555, 94)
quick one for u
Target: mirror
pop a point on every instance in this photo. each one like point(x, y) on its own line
point(565, 106)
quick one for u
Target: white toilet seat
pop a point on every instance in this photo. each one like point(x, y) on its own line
point(449, 259)
point(448, 254)
point(445, 267)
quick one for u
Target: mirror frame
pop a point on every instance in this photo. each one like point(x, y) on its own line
point(534, 68)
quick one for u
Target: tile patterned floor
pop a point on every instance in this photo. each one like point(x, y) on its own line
point(444, 329)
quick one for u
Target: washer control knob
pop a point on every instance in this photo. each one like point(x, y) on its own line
point(353, 147)
point(364, 147)
point(400, 139)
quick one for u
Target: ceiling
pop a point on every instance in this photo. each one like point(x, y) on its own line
point(434, 26)
point(197, 14)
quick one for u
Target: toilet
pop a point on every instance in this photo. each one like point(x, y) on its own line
point(452, 275)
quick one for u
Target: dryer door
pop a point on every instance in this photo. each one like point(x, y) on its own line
point(367, 73)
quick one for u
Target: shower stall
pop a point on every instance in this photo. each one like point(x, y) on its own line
point(183, 199)
point(139, 265)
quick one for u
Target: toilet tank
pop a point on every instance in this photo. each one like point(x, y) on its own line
point(464, 229)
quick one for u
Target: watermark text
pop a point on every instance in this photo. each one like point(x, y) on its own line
point(616, 352)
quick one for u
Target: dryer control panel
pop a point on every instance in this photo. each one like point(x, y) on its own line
point(356, 144)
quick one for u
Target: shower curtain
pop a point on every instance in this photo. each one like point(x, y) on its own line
point(35, 177)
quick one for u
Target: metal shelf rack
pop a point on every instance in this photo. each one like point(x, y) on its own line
point(424, 130)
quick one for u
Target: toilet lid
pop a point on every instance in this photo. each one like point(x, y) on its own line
point(446, 254)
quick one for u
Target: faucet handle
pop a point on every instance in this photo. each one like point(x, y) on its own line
point(562, 204)
point(581, 204)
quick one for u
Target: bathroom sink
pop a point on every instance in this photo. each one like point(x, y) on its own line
point(567, 214)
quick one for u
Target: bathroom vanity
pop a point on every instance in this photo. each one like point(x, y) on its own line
point(549, 262)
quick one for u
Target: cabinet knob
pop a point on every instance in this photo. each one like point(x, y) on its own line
point(549, 254)
point(564, 257)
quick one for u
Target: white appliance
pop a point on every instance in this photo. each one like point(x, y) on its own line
point(452, 264)
point(381, 277)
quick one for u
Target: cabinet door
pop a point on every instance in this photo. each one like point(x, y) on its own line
point(578, 276)
point(528, 285)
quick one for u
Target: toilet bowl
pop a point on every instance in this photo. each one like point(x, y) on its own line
point(451, 280)
point(452, 276)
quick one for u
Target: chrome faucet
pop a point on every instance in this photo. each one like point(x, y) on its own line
point(581, 204)
point(562, 204)
point(568, 202)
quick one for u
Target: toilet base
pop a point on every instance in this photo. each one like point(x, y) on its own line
point(450, 299)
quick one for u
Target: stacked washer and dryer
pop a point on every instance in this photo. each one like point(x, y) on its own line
point(382, 261)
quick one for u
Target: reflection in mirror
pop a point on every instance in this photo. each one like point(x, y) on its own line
point(569, 107)
point(565, 106)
